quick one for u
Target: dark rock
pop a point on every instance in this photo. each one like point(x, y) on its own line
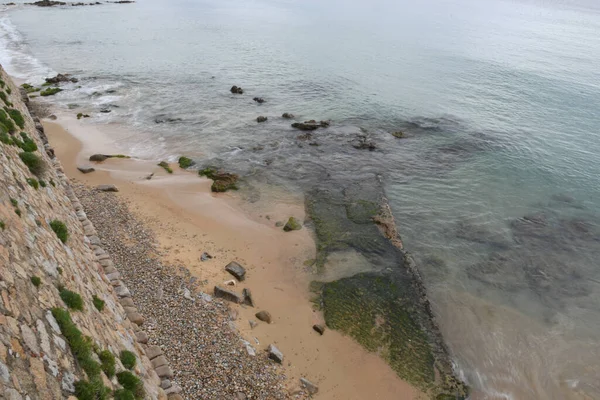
point(247, 297)
point(52, 117)
point(107, 188)
point(310, 125)
point(259, 100)
point(310, 387)
point(150, 176)
point(166, 120)
point(205, 257)
point(227, 295)
point(292, 225)
point(60, 77)
point(86, 169)
point(319, 328)
point(98, 157)
point(363, 143)
point(236, 270)
point(264, 316)
point(398, 134)
point(105, 110)
point(236, 90)
point(261, 119)
point(288, 116)
point(275, 354)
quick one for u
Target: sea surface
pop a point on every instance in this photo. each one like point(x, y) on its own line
point(495, 186)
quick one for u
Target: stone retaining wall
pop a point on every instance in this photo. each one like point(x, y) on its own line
point(35, 360)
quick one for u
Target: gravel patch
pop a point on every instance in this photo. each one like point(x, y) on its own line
point(195, 331)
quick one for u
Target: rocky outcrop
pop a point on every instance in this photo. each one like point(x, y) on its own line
point(261, 119)
point(60, 78)
point(310, 125)
point(63, 307)
point(236, 90)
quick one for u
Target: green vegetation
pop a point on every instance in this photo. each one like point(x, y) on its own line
point(42, 183)
point(124, 394)
point(17, 117)
point(46, 84)
point(2, 83)
point(4, 98)
point(72, 300)
point(27, 144)
point(82, 348)
point(119, 156)
point(14, 202)
point(128, 359)
point(8, 90)
point(29, 88)
point(36, 281)
point(52, 183)
point(60, 229)
point(292, 225)
point(79, 115)
point(108, 362)
point(132, 383)
point(7, 122)
point(4, 138)
point(166, 167)
point(33, 183)
point(33, 162)
point(51, 91)
point(222, 181)
point(60, 270)
point(208, 172)
point(18, 212)
point(98, 303)
point(185, 162)
point(2, 225)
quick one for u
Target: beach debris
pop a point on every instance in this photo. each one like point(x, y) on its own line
point(252, 323)
point(60, 77)
point(275, 354)
point(310, 125)
point(259, 100)
point(86, 169)
point(261, 119)
point(230, 282)
point(227, 295)
point(319, 328)
point(236, 270)
point(187, 294)
point(247, 294)
point(107, 188)
point(236, 90)
point(205, 257)
point(292, 225)
point(287, 116)
point(264, 316)
point(310, 387)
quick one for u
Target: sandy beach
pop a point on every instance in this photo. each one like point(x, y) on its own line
point(187, 220)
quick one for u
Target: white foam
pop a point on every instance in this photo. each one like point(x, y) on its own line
point(15, 56)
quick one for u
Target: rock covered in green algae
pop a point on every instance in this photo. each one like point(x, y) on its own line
point(222, 181)
point(292, 225)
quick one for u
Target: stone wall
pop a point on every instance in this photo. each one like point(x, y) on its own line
point(36, 360)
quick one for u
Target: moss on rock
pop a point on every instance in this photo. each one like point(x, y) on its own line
point(292, 225)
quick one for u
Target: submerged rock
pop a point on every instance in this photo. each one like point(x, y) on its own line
point(310, 125)
point(398, 134)
point(236, 270)
point(236, 90)
point(259, 100)
point(292, 225)
point(261, 119)
point(185, 162)
point(222, 181)
point(60, 77)
point(98, 157)
point(288, 116)
point(363, 143)
point(86, 169)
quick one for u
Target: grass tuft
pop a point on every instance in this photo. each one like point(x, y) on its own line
point(33, 162)
point(108, 362)
point(17, 117)
point(2, 225)
point(72, 300)
point(98, 303)
point(51, 91)
point(36, 281)
point(33, 183)
point(60, 229)
point(132, 383)
point(123, 394)
point(42, 183)
point(128, 359)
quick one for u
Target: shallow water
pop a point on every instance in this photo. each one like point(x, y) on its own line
point(498, 101)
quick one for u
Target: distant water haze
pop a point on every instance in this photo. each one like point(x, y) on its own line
point(495, 186)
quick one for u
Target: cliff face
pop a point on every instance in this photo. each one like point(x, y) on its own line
point(48, 340)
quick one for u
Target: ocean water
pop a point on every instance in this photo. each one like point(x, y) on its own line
point(495, 188)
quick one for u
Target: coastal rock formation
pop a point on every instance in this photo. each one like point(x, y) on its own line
point(222, 181)
point(261, 119)
point(236, 90)
point(287, 116)
point(363, 143)
point(60, 78)
point(259, 100)
point(292, 225)
point(229, 295)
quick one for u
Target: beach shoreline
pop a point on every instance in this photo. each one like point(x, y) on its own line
point(188, 220)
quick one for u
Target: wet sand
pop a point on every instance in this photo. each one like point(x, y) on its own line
point(188, 219)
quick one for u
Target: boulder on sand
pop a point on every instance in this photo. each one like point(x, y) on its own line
point(86, 169)
point(275, 354)
point(227, 295)
point(292, 225)
point(236, 270)
point(99, 157)
point(107, 188)
point(264, 316)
